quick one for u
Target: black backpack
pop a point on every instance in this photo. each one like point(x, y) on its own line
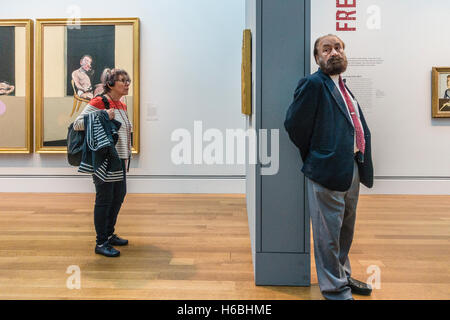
point(75, 141)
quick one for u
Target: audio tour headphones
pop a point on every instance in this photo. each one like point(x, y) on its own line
point(110, 78)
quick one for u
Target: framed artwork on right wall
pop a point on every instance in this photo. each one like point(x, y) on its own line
point(441, 92)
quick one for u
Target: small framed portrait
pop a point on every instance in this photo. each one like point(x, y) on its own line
point(16, 87)
point(441, 93)
point(71, 58)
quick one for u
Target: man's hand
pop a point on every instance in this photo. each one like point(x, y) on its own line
point(110, 113)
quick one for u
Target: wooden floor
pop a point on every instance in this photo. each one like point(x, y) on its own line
point(198, 247)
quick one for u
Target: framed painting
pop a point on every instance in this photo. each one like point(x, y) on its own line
point(246, 73)
point(440, 104)
point(70, 60)
point(16, 86)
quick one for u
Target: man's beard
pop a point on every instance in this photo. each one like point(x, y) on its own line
point(334, 65)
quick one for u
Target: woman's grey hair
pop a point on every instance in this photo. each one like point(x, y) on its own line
point(110, 76)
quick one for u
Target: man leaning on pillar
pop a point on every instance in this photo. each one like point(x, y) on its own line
point(326, 123)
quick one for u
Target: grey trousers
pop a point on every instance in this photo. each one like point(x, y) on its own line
point(333, 216)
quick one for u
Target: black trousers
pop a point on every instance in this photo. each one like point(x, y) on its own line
point(108, 201)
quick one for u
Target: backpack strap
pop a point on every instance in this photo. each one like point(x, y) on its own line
point(105, 101)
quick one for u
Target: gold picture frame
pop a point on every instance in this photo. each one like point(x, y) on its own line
point(16, 92)
point(440, 104)
point(61, 47)
point(246, 72)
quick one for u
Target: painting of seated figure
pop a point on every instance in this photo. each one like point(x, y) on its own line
point(70, 63)
point(15, 86)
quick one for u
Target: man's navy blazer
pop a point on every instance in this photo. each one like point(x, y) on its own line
point(319, 125)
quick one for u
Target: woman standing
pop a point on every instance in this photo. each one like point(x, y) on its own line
point(110, 195)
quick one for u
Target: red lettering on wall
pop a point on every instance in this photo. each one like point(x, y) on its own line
point(345, 15)
point(346, 4)
point(344, 28)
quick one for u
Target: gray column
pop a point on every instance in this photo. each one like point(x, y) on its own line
point(278, 219)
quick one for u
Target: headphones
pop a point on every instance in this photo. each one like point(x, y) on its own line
point(110, 82)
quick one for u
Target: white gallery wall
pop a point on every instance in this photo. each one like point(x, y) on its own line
point(190, 71)
point(190, 63)
point(391, 54)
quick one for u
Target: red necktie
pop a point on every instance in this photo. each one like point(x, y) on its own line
point(360, 141)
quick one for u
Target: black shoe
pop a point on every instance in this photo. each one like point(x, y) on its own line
point(359, 287)
point(107, 250)
point(116, 241)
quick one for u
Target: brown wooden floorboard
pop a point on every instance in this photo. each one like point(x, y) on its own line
point(198, 247)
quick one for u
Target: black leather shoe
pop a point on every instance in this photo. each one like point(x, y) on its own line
point(107, 250)
point(116, 241)
point(359, 287)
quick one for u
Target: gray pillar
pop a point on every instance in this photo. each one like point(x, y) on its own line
point(278, 219)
